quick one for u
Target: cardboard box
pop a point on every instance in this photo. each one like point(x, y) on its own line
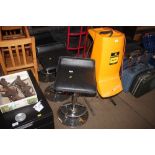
point(13, 94)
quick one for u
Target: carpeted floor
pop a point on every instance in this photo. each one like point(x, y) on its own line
point(129, 112)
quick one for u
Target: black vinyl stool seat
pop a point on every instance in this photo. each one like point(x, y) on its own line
point(48, 57)
point(43, 41)
point(48, 53)
point(76, 76)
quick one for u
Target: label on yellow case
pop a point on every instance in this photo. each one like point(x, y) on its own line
point(114, 58)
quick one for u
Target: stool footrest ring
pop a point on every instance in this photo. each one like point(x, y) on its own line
point(73, 117)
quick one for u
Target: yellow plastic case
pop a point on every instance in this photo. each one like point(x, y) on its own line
point(108, 50)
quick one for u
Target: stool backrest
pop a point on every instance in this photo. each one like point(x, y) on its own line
point(52, 48)
point(52, 52)
point(18, 54)
point(78, 62)
point(44, 39)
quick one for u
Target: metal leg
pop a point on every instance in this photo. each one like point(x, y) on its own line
point(73, 114)
point(112, 101)
point(74, 101)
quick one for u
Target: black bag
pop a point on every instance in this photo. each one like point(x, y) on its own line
point(143, 83)
point(134, 54)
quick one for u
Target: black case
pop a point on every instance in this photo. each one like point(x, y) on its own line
point(143, 83)
point(34, 120)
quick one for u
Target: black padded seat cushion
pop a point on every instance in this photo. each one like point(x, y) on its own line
point(76, 75)
point(49, 54)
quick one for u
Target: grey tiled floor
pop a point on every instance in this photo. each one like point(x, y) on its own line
point(129, 113)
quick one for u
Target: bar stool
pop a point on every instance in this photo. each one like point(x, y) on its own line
point(48, 53)
point(76, 76)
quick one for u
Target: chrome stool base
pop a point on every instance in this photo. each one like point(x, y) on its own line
point(46, 76)
point(70, 116)
point(51, 95)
